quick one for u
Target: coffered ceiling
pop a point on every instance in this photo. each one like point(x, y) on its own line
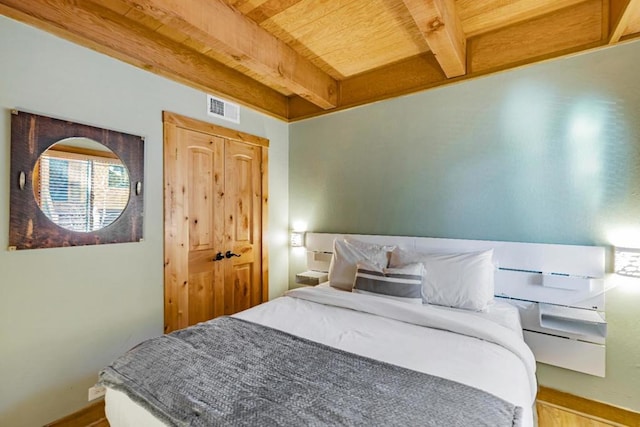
point(294, 59)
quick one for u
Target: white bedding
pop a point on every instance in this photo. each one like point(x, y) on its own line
point(498, 362)
point(498, 311)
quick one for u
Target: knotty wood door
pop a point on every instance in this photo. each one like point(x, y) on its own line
point(243, 226)
point(215, 211)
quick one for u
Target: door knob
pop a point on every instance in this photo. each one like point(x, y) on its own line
point(218, 257)
point(230, 254)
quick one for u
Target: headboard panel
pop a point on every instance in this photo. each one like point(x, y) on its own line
point(541, 257)
point(525, 270)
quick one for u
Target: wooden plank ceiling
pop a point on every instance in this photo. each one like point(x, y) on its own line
point(294, 59)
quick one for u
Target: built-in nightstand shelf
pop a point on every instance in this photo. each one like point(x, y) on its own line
point(568, 337)
point(311, 278)
point(587, 323)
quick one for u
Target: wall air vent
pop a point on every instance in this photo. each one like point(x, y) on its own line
point(222, 109)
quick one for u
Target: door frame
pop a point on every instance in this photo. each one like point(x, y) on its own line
point(172, 121)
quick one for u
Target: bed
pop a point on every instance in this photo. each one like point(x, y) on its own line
point(334, 355)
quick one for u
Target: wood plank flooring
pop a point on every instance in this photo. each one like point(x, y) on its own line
point(553, 416)
point(558, 409)
point(90, 416)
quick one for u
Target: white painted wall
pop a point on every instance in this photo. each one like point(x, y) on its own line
point(65, 313)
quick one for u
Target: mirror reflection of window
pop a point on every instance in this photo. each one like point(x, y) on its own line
point(118, 177)
point(81, 185)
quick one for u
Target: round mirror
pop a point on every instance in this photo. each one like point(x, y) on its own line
point(80, 184)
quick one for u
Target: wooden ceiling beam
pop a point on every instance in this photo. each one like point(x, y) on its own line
point(227, 31)
point(441, 27)
point(480, 17)
point(401, 78)
point(263, 11)
point(110, 33)
point(571, 29)
point(621, 12)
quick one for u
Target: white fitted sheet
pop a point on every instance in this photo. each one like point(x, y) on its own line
point(458, 357)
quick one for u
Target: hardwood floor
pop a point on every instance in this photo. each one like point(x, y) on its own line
point(552, 416)
point(90, 416)
point(558, 409)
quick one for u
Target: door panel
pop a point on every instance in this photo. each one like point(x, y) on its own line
point(201, 296)
point(242, 279)
point(243, 224)
point(195, 224)
point(201, 164)
point(204, 194)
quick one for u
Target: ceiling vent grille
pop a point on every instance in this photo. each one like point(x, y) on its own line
point(222, 109)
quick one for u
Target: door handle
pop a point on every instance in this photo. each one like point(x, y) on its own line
point(230, 254)
point(218, 257)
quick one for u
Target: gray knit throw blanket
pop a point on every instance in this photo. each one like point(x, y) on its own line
point(230, 372)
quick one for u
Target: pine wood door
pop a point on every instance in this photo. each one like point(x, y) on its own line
point(214, 220)
point(243, 225)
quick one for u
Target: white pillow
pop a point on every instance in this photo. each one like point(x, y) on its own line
point(401, 284)
point(461, 280)
point(347, 254)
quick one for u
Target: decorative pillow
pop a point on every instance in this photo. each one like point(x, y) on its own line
point(347, 254)
point(461, 280)
point(402, 284)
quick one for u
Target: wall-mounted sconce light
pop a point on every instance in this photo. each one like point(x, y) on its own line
point(627, 261)
point(297, 239)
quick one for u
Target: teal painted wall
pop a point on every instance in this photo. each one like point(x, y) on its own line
point(548, 153)
point(66, 313)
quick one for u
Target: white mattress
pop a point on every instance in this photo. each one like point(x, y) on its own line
point(316, 314)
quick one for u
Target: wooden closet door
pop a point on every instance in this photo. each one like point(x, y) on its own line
point(197, 214)
point(215, 202)
point(243, 226)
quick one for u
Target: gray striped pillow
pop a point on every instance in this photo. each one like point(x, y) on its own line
point(402, 283)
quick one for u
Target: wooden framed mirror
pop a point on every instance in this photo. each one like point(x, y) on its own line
point(73, 184)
